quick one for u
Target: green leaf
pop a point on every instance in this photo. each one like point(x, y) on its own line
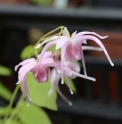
point(9, 121)
point(5, 93)
point(71, 85)
point(0, 121)
point(4, 71)
point(33, 115)
point(26, 52)
point(42, 2)
point(52, 48)
point(39, 93)
point(3, 110)
point(79, 64)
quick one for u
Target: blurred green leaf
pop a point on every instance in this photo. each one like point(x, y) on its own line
point(33, 115)
point(4, 71)
point(79, 63)
point(71, 85)
point(3, 110)
point(9, 121)
point(39, 93)
point(5, 93)
point(26, 52)
point(42, 2)
point(52, 48)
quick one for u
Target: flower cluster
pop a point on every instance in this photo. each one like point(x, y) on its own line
point(63, 60)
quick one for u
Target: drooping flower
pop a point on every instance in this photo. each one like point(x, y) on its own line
point(71, 70)
point(70, 51)
point(41, 71)
point(71, 47)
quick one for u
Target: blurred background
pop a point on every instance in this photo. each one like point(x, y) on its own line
point(23, 22)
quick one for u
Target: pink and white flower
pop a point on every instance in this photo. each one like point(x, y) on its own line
point(71, 70)
point(71, 51)
point(71, 47)
point(41, 71)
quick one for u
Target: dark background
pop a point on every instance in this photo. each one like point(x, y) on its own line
point(96, 102)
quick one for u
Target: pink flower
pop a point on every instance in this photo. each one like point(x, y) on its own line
point(71, 47)
point(41, 71)
point(68, 50)
point(56, 76)
point(71, 70)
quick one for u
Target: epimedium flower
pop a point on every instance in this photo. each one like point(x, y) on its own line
point(41, 71)
point(71, 70)
point(68, 51)
point(71, 46)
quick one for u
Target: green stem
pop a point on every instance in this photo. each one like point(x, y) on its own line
point(11, 102)
point(41, 39)
point(36, 55)
point(61, 27)
point(13, 115)
point(14, 120)
point(45, 37)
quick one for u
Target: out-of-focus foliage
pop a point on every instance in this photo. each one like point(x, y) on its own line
point(3, 111)
point(4, 71)
point(43, 2)
point(28, 52)
point(39, 93)
point(71, 85)
point(33, 115)
point(9, 121)
point(4, 92)
point(52, 48)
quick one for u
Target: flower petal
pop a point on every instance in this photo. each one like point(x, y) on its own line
point(47, 58)
point(60, 93)
point(44, 50)
point(69, 54)
point(83, 76)
point(63, 52)
point(24, 70)
point(25, 91)
point(83, 62)
point(90, 33)
point(73, 66)
point(24, 62)
point(76, 49)
point(61, 42)
point(74, 33)
point(41, 72)
point(66, 32)
point(86, 37)
point(91, 48)
point(45, 41)
point(55, 77)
